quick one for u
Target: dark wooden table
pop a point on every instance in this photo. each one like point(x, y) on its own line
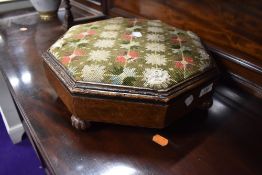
point(227, 140)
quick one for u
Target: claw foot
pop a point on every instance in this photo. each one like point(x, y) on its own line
point(206, 104)
point(79, 124)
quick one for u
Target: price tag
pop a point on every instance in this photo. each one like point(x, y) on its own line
point(160, 140)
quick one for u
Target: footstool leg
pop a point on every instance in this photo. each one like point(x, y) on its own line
point(206, 104)
point(79, 124)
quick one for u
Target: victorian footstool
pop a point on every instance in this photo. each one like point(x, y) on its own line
point(134, 72)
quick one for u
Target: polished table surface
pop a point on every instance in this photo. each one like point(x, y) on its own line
point(227, 140)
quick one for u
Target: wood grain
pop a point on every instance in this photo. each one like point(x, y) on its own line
point(226, 140)
point(226, 26)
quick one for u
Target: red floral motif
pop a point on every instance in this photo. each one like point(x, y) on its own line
point(120, 59)
point(189, 60)
point(133, 54)
point(66, 60)
point(79, 36)
point(91, 32)
point(84, 34)
point(183, 63)
point(127, 37)
point(78, 52)
point(179, 65)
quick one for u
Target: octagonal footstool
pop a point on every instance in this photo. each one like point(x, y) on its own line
point(134, 72)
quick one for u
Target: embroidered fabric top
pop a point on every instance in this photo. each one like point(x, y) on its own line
point(131, 52)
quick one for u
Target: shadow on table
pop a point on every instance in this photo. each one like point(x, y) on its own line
point(115, 143)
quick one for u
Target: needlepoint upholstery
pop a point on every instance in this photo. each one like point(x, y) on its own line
point(137, 53)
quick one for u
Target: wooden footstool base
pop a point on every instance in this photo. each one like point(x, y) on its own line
point(134, 112)
point(80, 124)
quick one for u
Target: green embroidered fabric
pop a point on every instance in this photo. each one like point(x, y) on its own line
point(131, 52)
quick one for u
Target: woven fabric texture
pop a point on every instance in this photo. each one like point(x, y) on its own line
point(131, 52)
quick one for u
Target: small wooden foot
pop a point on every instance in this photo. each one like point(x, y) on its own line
point(206, 104)
point(79, 124)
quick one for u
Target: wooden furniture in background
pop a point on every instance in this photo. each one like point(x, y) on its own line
point(231, 30)
point(97, 9)
point(226, 140)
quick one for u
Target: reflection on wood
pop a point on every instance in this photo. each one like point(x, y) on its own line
point(227, 26)
point(226, 140)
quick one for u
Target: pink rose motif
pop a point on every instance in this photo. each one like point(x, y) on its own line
point(85, 34)
point(127, 37)
point(183, 63)
point(179, 65)
point(120, 59)
point(91, 32)
point(133, 54)
point(79, 36)
point(189, 60)
point(65, 60)
point(78, 52)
